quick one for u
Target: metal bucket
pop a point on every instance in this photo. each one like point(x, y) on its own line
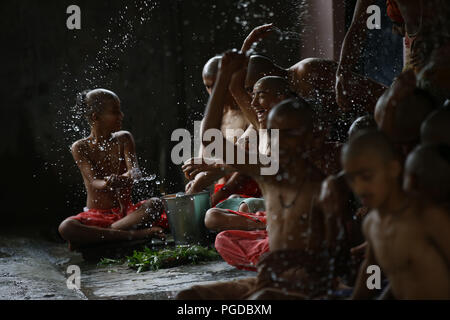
point(186, 215)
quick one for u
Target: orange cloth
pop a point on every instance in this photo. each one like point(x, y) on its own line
point(105, 218)
point(394, 12)
point(242, 249)
point(248, 190)
point(218, 187)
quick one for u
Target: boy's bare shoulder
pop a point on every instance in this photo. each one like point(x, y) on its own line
point(79, 146)
point(368, 222)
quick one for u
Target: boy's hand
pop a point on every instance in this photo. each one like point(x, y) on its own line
point(256, 35)
point(232, 61)
point(194, 166)
point(192, 188)
point(118, 182)
point(333, 196)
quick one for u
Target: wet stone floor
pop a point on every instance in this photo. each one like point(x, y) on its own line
point(32, 268)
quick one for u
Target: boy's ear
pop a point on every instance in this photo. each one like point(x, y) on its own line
point(410, 183)
point(395, 169)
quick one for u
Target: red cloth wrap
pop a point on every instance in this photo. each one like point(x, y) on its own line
point(394, 12)
point(248, 190)
point(259, 216)
point(242, 249)
point(105, 218)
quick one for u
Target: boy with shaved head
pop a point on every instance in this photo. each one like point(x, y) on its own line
point(232, 119)
point(108, 164)
point(427, 174)
point(406, 239)
point(262, 79)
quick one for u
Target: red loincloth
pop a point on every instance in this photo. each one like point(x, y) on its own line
point(242, 249)
point(105, 218)
point(394, 12)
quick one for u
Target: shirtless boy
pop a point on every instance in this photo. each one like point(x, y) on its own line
point(409, 241)
point(108, 165)
point(232, 119)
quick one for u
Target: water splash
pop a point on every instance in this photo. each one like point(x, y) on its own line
point(101, 69)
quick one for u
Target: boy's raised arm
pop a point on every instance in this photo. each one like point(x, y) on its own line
point(352, 48)
point(243, 100)
point(231, 62)
point(256, 35)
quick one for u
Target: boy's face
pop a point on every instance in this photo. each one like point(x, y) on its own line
point(263, 100)
point(370, 178)
point(111, 116)
point(209, 82)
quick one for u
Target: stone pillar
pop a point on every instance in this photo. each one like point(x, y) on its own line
point(325, 32)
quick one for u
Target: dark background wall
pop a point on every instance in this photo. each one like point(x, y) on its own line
point(150, 53)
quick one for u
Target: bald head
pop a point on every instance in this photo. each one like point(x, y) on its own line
point(400, 112)
point(362, 124)
point(260, 67)
point(369, 143)
point(427, 172)
point(293, 113)
point(211, 68)
point(96, 100)
point(435, 129)
point(276, 86)
point(99, 96)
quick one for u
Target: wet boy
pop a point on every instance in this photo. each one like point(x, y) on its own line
point(407, 240)
point(108, 165)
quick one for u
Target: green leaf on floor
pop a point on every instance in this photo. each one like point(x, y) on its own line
point(167, 258)
point(108, 262)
